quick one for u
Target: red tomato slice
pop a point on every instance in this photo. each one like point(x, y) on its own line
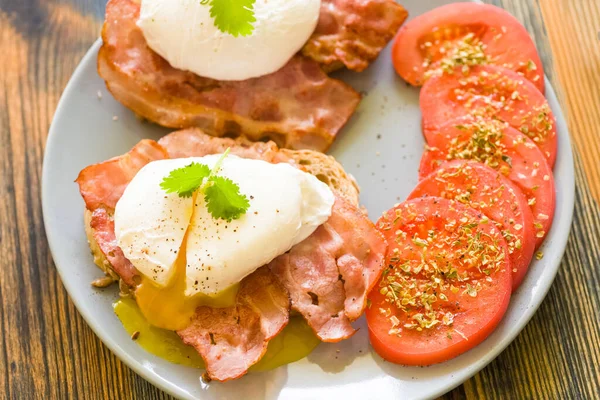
point(492, 92)
point(447, 284)
point(504, 149)
point(464, 34)
point(488, 191)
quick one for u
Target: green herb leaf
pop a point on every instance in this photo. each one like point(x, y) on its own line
point(224, 200)
point(233, 16)
point(185, 181)
point(222, 196)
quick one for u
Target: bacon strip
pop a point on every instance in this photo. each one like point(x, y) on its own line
point(103, 226)
point(103, 184)
point(231, 340)
point(298, 106)
point(352, 33)
point(195, 143)
point(363, 260)
point(329, 274)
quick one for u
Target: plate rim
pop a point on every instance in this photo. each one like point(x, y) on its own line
point(174, 390)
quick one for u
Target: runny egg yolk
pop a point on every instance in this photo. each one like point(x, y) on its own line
point(168, 307)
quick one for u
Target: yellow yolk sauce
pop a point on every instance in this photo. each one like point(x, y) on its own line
point(295, 342)
point(160, 342)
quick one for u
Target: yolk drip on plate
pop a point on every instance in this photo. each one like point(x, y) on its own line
point(160, 342)
point(295, 342)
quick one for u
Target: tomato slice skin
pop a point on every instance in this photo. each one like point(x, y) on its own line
point(492, 92)
point(504, 149)
point(506, 41)
point(430, 240)
point(488, 191)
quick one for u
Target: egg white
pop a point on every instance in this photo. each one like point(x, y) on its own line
point(286, 206)
point(184, 33)
point(150, 224)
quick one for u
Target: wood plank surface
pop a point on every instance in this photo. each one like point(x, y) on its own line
point(574, 35)
point(46, 349)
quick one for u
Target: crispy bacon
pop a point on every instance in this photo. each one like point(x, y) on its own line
point(103, 184)
point(329, 274)
point(298, 106)
point(352, 33)
point(231, 340)
point(363, 260)
point(103, 227)
point(195, 143)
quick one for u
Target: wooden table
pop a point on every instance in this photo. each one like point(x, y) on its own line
point(47, 350)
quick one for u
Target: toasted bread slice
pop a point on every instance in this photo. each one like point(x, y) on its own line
point(99, 257)
point(327, 170)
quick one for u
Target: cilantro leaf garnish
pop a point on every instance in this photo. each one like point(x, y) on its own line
point(223, 198)
point(222, 195)
point(185, 181)
point(233, 16)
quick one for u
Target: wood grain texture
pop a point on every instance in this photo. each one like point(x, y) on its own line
point(574, 35)
point(46, 349)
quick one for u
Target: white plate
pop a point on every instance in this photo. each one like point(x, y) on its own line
point(381, 146)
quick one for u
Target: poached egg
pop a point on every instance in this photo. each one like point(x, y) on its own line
point(183, 33)
point(187, 257)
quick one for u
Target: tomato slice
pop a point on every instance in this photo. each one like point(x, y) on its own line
point(503, 149)
point(488, 191)
point(464, 34)
point(447, 284)
point(493, 92)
